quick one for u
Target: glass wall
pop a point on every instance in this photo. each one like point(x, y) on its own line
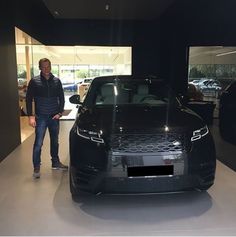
point(71, 63)
point(212, 69)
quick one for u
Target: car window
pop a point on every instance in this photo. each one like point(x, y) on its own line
point(129, 92)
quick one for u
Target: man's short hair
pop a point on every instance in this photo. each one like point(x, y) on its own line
point(43, 60)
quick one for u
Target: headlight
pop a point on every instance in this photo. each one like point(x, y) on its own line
point(198, 134)
point(90, 135)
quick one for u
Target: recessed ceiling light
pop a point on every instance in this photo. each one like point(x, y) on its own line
point(226, 53)
point(107, 7)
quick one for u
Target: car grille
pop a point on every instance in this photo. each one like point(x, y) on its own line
point(148, 143)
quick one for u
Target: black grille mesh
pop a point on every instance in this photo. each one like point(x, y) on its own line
point(142, 143)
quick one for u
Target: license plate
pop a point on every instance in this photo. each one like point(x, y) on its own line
point(150, 170)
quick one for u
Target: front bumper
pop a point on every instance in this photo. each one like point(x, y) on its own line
point(93, 181)
point(96, 169)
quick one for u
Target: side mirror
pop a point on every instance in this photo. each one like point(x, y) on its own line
point(75, 99)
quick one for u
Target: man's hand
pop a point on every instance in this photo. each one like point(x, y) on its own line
point(32, 121)
point(57, 116)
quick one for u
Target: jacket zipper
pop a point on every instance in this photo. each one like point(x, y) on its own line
point(48, 88)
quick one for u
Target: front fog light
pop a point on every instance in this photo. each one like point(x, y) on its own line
point(198, 134)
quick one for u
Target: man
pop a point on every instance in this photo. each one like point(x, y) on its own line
point(47, 94)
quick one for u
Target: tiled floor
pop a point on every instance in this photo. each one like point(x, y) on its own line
point(44, 206)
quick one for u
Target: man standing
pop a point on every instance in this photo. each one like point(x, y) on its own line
point(47, 94)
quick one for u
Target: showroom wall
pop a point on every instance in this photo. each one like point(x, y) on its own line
point(193, 23)
point(159, 47)
point(9, 105)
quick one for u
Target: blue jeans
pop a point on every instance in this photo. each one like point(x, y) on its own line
point(42, 123)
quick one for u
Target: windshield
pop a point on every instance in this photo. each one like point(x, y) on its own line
point(127, 92)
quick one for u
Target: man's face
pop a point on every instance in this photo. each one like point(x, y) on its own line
point(45, 69)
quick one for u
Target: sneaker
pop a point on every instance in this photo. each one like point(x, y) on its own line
point(36, 173)
point(59, 166)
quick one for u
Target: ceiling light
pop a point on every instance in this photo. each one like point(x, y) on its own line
point(166, 128)
point(56, 13)
point(107, 7)
point(223, 54)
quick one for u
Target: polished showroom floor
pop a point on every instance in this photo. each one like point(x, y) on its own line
point(45, 207)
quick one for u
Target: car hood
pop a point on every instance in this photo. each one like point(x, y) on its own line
point(138, 118)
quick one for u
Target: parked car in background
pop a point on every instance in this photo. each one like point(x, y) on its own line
point(86, 81)
point(208, 87)
point(227, 113)
point(194, 82)
point(132, 135)
point(72, 87)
